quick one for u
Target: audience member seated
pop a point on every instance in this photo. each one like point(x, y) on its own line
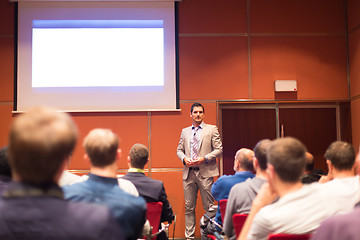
point(68, 178)
point(103, 153)
point(242, 194)
point(341, 178)
point(40, 143)
point(243, 167)
point(5, 171)
point(152, 190)
point(300, 208)
point(339, 227)
point(310, 175)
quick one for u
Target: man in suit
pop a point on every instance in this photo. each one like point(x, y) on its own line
point(151, 190)
point(103, 153)
point(33, 207)
point(198, 148)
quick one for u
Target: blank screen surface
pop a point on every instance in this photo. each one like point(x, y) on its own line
point(92, 56)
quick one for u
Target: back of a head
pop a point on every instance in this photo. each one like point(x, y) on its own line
point(260, 150)
point(341, 155)
point(5, 169)
point(244, 157)
point(287, 156)
point(101, 145)
point(139, 155)
point(309, 162)
point(39, 142)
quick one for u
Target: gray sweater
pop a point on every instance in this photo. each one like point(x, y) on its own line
point(239, 201)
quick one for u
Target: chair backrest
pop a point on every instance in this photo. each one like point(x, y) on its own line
point(238, 222)
point(153, 214)
point(282, 236)
point(222, 205)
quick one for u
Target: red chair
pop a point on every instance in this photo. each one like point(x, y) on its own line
point(153, 214)
point(238, 222)
point(222, 206)
point(282, 236)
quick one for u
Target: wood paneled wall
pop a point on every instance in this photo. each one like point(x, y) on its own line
point(228, 50)
point(353, 19)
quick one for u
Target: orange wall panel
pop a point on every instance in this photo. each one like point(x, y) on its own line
point(131, 128)
point(6, 17)
point(210, 16)
point(165, 133)
point(354, 62)
point(306, 16)
point(355, 119)
point(213, 68)
point(319, 71)
point(6, 118)
point(353, 9)
point(6, 68)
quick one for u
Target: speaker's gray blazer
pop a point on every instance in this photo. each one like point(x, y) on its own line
point(210, 147)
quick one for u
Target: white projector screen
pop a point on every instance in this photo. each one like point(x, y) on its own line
point(96, 56)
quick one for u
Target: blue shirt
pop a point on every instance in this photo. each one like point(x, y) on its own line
point(128, 210)
point(221, 188)
point(40, 212)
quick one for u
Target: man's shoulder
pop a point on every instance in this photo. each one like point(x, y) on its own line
point(77, 188)
point(72, 219)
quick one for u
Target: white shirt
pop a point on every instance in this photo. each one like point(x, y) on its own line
point(301, 212)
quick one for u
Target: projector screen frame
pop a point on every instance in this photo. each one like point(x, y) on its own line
point(176, 59)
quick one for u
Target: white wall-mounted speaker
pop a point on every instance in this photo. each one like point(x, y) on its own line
point(285, 86)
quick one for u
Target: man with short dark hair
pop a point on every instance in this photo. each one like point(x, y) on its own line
point(198, 148)
point(300, 208)
point(243, 166)
point(103, 153)
point(40, 144)
point(151, 190)
point(242, 194)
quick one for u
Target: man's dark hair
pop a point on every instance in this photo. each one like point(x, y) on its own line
point(260, 150)
point(40, 140)
point(197, 105)
point(287, 155)
point(5, 169)
point(139, 156)
point(101, 145)
point(341, 155)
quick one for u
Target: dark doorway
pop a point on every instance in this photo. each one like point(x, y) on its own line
point(315, 124)
point(243, 128)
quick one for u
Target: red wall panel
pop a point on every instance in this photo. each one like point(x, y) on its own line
point(6, 17)
point(354, 61)
point(353, 9)
point(213, 68)
point(306, 16)
point(319, 71)
point(6, 68)
point(6, 118)
point(131, 128)
point(209, 16)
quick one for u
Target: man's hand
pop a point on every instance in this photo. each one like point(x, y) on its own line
point(265, 196)
point(198, 161)
point(188, 161)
